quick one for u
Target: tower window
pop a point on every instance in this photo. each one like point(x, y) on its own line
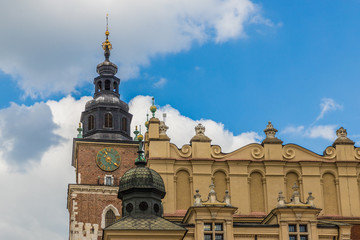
point(109, 217)
point(107, 85)
point(91, 122)
point(115, 87)
point(124, 124)
point(108, 120)
point(108, 180)
point(99, 87)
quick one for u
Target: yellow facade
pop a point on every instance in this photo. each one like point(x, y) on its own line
point(254, 175)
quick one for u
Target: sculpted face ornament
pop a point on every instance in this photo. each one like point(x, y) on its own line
point(341, 132)
point(163, 128)
point(200, 130)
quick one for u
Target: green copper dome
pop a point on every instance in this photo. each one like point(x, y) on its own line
point(141, 178)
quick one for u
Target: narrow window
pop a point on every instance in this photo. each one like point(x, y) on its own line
point(115, 87)
point(108, 180)
point(124, 124)
point(91, 122)
point(99, 86)
point(107, 85)
point(109, 217)
point(108, 120)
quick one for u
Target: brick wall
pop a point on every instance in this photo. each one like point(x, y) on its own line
point(88, 169)
point(89, 196)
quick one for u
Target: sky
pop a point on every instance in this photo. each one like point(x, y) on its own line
point(232, 65)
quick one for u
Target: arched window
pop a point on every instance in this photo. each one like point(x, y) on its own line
point(115, 87)
point(108, 120)
point(257, 201)
point(107, 85)
point(124, 124)
point(99, 86)
point(91, 122)
point(109, 217)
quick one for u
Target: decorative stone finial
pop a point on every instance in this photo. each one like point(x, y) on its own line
point(270, 132)
point(153, 107)
point(281, 200)
point(79, 129)
point(342, 138)
point(212, 193)
point(200, 134)
point(227, 198)
point(310, 199)
point(136, 132)
point(197, 198)
point(295, 198)
point(162, 128)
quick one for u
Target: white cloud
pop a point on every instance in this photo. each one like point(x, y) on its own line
point(162, 81)
point(52, 46)
point(26, 133)
point(327, 105)
point(181, 128)
point(35, 206)
point(327, 132)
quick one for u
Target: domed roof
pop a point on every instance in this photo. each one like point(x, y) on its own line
point(107, 99)
point(141, 177)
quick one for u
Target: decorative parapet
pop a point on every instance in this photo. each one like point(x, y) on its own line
point(342, 150)
point(81, 231)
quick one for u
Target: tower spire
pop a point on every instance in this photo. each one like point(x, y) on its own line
point(107, 46)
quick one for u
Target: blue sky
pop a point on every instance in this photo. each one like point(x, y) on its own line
point(278, 70)
point(233, 65)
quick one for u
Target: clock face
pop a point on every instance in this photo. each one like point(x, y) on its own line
point(108, 159)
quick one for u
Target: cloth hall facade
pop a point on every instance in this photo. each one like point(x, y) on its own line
point(267, 190)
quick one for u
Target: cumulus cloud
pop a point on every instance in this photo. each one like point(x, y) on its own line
point(26, 133)
point(327, 105)
point(47, 53)
point(181, 128)
point(39, 195)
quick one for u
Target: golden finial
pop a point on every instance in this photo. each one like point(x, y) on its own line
point(107, 45)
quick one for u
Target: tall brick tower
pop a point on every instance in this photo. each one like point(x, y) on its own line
point(101, 155)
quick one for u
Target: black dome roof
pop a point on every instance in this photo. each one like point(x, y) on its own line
point(141, 177)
